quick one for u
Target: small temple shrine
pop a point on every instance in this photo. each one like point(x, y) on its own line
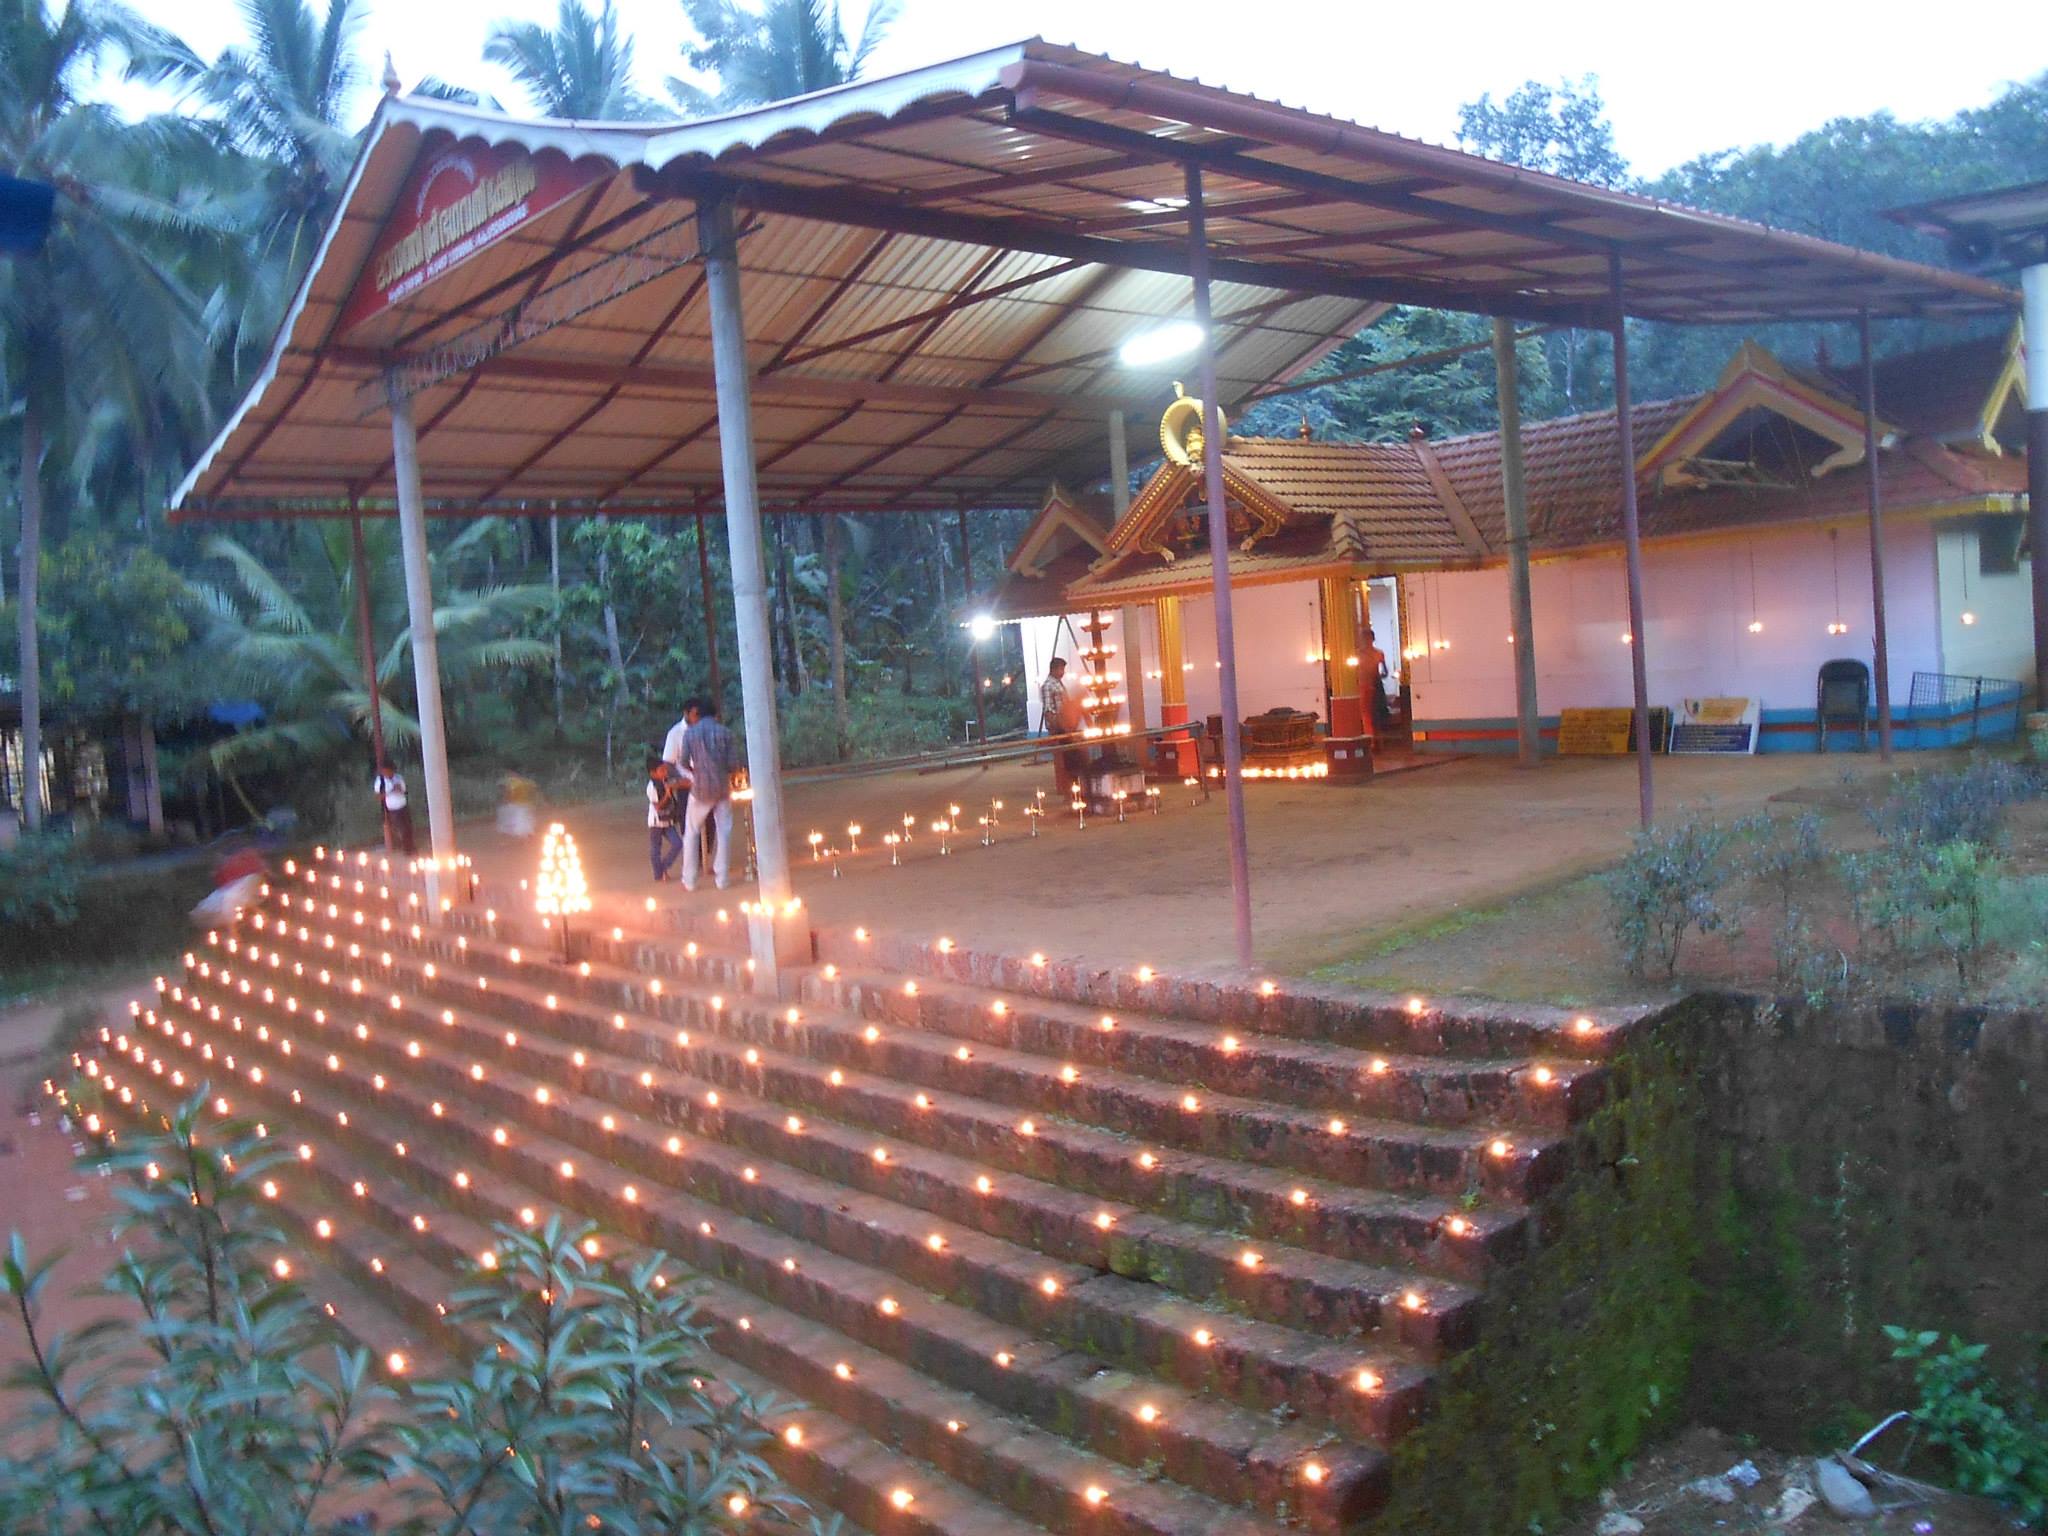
point(1370, 588)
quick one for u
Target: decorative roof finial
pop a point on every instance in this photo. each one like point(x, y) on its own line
point(391, 81)
point(1305, 432)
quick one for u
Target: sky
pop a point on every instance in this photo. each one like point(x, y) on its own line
point(1679, 80)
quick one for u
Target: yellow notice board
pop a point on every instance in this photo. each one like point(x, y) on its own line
point(1594, 732)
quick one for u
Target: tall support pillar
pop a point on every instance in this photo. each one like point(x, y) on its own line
point(973, 645)
point(1632, 540)
point(1128, 619)
point(778, 934)
point(426, 648)
point(1880, 636)
point(1515, 496)
point(1219, 570)
point(366, 643)
point(2034, 337)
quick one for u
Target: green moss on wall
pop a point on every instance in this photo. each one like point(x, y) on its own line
point(1586, 1349)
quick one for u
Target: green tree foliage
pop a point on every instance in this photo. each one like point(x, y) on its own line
point(769, 52)
point(278, 103)
point(98, 329)
point(1445, 399)
point(582, 67)
point(1836, 183)
point(117, 634)
point(289, 639)
point(1562, 129)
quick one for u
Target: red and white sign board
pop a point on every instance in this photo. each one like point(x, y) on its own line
point(459, 200)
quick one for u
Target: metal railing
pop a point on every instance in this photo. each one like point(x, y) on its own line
point(1947, 698)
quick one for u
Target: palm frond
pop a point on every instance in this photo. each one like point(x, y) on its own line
point(276, 605)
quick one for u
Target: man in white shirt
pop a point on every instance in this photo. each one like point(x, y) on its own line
point(389, 788)
point(672, 744)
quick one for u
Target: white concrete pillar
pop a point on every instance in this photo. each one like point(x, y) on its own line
point(777, 935)
point(426, 648)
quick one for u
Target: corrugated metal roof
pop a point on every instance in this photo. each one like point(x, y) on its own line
point(937, 267)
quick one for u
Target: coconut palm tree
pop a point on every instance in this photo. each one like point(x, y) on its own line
point(784, 48)
point(99, 324)
point(279, 104)
point(582, 67)
point(299, 656)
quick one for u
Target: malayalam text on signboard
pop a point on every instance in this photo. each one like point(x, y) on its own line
point(457, 201)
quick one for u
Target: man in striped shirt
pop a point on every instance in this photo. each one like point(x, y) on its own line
point(709, 756)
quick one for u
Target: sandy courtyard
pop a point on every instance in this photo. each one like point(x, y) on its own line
point(1332, 866)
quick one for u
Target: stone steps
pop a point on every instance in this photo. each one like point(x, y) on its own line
point(1455, 1159)
point(1230, 1452)
point(1204, 1253)
point(1422, 1183)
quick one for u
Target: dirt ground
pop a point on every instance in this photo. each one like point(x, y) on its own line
point(43, 1197)
point(1335, 868)
point(1683, 1488)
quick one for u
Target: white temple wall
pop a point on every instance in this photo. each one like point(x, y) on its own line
point(1277, 627)
point(2000, 643)
point(1700, 599)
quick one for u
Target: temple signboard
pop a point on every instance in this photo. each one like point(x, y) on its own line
point(459, 200)
point(1595, 732)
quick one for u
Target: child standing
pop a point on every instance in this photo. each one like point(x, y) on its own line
point(666, 789)
point(389, 788)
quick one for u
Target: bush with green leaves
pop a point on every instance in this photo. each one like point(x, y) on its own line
point(39, 878)
point(1667, 887)
point(1962, 805)
point(1955, 902)
point(1993, 1436)
point(221, 1398)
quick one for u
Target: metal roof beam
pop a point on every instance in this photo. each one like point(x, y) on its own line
point(832, 206)
point(1249, 168)
point(788, 388)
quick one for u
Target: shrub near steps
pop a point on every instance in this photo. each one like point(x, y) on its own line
point(1436, 1098)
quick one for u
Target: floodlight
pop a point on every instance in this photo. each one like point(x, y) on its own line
point(1157, 346)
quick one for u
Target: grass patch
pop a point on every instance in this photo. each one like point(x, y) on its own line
point(1487, 949)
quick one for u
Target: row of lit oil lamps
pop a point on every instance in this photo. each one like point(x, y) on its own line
point(1148, 1413)
point(1249, 1258)
point(949, 827)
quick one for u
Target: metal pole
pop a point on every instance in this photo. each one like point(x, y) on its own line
point(1127, 618)
point(2034, 336)
point(555, 587)
point(973, 645)
point(1632, 540)
point(366, 643)
point(1879, 640)
point(710, 607)
point(1515, 496)
point(749, 588)
point(1219, 570)
point(426, 649)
